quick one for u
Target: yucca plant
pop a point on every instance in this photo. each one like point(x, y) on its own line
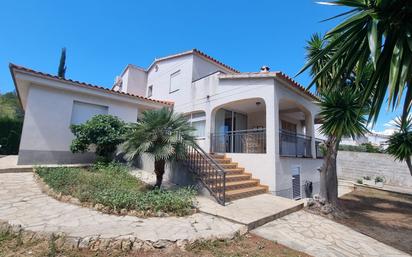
point(379, 31)
point(343, 115)
point(163, 135)
point(400, 142)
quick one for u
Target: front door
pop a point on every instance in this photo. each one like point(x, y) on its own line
point(296, 188)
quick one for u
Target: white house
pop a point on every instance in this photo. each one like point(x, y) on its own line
point(263, 122)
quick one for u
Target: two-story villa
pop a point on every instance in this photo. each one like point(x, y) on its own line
point(263, 122)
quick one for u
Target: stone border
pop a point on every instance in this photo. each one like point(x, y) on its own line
point(96, 243)
point(99, 207)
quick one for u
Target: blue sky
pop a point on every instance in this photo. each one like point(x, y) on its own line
point(102, 37)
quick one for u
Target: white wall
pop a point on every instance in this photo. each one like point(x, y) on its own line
point(134, 81)
point(48, 116)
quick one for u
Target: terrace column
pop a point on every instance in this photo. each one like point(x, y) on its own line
point(310, 131)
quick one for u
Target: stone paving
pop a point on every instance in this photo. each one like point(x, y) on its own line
point(320, 236)
point(23, 203)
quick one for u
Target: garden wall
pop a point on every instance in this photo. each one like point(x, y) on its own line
point(355, 165)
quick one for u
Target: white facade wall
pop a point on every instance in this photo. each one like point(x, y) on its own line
point(46, 135)
point(134, 81)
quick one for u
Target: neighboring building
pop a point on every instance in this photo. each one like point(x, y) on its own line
point(264, 121)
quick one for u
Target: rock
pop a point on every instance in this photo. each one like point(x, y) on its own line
point(181, 244)
point(311, 202)
point(74, 201)
point(326, 209)
point(160, 214)
point(104, 243)
point(115, 245)
point(161, 244)
point(126, 245)
point(316, 197)
point(99, 206)
point(137, 245)
point(123, 211)
point(84, 242)
point(71, 243)
point(322, 201)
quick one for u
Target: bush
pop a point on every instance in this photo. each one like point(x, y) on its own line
point(366, 148)
point(378, 179)
point(103, 131)
point(10, 133)
point(113, 186)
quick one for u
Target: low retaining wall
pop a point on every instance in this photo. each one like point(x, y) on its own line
point(355, 165)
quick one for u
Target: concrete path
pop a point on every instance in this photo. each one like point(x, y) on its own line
point(252, 211)
point(22, 203)
point(320, 236)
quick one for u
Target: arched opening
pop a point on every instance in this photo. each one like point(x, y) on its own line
point(296, 129)
point(240, 127)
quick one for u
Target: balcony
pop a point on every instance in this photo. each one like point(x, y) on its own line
point(294, 145)
point(239, 141)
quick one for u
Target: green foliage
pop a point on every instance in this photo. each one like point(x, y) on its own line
point(343, 113)
point(162, 134)
point(373, 31)
point(113, 186)
point(103, 131)
point(366, 148)
point(11, 123)
point(379, 179)
point(359, 181)
point(61, 72)
point(400, 142)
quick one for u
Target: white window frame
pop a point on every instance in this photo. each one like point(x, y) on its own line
point(149, 91)
point(197, 119)
point(173, 75)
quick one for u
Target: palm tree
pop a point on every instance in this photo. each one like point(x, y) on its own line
point(162, 134)
point(379, 31)
point(400, 142)
point(343, 115)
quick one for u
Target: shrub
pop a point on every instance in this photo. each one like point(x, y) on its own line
point(10, 132)
point(378, 179)
point(366, 148)
point(366, 177)
point(113, 186)
point(359, 181)
point(103, 131)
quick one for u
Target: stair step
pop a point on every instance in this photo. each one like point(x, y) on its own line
point(232, 165)
point(238, 177)
point(233, 185)
point(217, 156)
point(227, 160)
point(234, 171)
point(245, 192)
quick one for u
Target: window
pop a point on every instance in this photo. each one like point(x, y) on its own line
point(175, 82)
point(198, 121)
point(150, 91)
point(82, 112)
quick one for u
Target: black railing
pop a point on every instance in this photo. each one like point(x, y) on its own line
point(293, 144)
point(239, 141)
point(210, 173)
point(319, 152)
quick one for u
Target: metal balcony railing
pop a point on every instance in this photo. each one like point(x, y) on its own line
point(294, 145)
point(239, 141)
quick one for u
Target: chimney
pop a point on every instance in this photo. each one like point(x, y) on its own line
point(264, 69)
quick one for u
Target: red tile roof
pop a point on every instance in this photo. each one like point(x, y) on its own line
point(83, 84)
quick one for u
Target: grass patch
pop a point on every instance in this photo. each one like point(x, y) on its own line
point(112, 186)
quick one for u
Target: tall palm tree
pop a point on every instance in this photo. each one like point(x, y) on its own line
point(374, 30)
point(162, 134)
point(400, 142)
point(343, 115)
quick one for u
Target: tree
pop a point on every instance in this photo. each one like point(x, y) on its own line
point(11, 123)
point(162, 134)
point(103, 131)
point(400, 142)
point(374, 30)
point(61, 72)
point(342, 112)
point(343, 115)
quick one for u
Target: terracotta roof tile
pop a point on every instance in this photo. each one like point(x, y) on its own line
point(78, 83)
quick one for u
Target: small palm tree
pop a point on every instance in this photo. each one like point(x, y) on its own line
point(162, 134)
point(343, 115)
point(400, 143)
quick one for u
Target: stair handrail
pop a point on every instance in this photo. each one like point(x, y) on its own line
point(195, 166)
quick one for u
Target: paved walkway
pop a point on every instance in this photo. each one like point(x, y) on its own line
point(320, 236)
point(22, 203)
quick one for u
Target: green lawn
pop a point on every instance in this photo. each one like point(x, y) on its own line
point(112, 186)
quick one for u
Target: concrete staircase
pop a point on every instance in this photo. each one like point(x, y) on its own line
point(239, 184)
